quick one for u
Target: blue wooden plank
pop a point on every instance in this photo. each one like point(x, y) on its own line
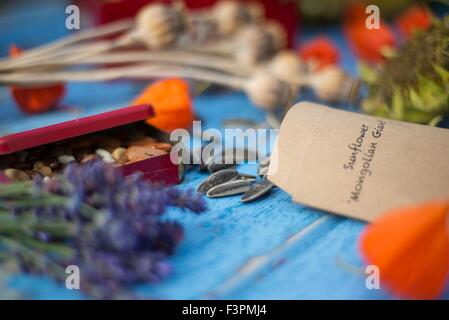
point(329, 267)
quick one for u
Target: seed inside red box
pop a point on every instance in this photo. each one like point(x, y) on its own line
point(29, 151)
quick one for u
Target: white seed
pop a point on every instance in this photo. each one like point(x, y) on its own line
point(66, 159)
point(103, 153)
point(108, 160)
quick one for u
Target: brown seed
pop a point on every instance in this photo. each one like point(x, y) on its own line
point(16, 175)
point(163, 146)
point(46, 171)
point(38, 165)
point(147, 141)
point(137, 153)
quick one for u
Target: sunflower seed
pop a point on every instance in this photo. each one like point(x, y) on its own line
point(244, 176)
point(215, 167)
point(230, 188)
point(262, 171)
point(216, 179)
point(257, 190)
point(264, 162)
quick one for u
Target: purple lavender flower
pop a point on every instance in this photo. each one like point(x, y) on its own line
point(121, 240)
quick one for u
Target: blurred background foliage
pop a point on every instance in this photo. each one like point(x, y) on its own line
point(331, 11)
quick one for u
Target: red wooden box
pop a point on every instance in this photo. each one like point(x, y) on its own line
point(160, 168)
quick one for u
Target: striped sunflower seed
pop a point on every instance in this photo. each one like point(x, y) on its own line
point(262, 171)
point(264, 162)
point(216, 179)
point(214, 167)
point(256, 191)
point(229, 188)
point(244, 176)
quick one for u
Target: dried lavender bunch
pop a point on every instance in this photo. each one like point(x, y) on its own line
point(92, 216)
point(413, 84)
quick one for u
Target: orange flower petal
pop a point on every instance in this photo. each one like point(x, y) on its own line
point(172, 104)
point(35, 99)
point(367, 44)
point(411, 248)
point(413, 19)
point(320, 50)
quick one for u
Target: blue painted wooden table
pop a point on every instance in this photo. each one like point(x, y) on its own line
point(271, 249)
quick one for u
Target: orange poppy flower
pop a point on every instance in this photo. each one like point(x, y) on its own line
point(410, 246)
point(413, 19)
point(321, 51)
point(367, 44)
point(35, 99)
point(172, 104)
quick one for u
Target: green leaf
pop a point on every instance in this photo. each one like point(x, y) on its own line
point(367, 73)
point(418, 116)
point(435, 121)
point(416, 100)
point(442, 72)
point(397, 105)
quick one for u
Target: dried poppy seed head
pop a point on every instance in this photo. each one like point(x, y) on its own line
point(229, 15)
point(332, 84)
point(278, 34)
point(255, 12)
point(286, 65)
point(268, 92)
point(160, 26)
point(254, 44)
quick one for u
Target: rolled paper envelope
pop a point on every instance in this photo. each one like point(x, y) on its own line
point(357, 165)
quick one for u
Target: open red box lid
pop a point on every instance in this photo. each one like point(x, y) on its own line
point(73, 128)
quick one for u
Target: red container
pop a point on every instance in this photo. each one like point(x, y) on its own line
point(160, 168)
